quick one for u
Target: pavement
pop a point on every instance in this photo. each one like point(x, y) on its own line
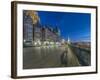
point(48, 57)
point(72, 58)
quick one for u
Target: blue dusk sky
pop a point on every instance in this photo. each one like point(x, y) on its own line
point(76, 26)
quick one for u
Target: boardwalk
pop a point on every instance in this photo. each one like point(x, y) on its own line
point(72, 59)
point(42, 57)
point(49, 57)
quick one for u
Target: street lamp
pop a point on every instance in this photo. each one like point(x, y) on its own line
point(39, 42)
point(35, 43)
point(24, 40)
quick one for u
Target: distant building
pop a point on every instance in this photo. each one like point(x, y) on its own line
point(69, 40)
point(49, 34)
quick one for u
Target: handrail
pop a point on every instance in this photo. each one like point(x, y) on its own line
point(81, 57)
point(83, 49)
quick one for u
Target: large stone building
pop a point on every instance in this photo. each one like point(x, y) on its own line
point(27, 27)
point(38, 34)
point(51, 34)
point(31, 29)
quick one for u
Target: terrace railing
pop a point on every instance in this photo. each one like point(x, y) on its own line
point(83, 55)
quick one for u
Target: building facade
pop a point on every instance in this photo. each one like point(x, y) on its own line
point(49, 35)
point(36, 33)
point(27, 27)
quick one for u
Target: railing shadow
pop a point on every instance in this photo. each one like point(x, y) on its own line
point(64, 58)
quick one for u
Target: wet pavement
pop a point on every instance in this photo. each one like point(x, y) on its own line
point(72, 58)
point(42, 57)
point(48, 57)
